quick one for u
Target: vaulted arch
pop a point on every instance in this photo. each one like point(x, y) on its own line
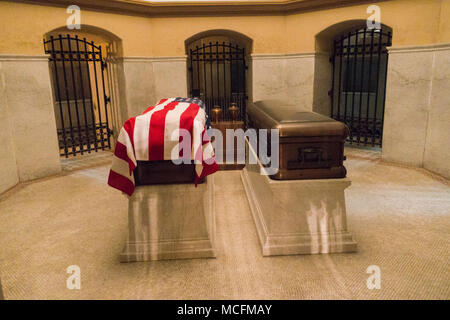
point(217, 69)
point(239, 38)
point(84, 68)
point(350, 77)
point(324, 39)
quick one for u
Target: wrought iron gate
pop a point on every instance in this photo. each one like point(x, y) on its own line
point(217, 76)
point(77, 67)
point(359, 83)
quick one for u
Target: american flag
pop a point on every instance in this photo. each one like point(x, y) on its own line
point(155, 135)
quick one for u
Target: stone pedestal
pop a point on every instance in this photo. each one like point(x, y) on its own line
point(174, 221)
point(228, 147)
point(297, 216)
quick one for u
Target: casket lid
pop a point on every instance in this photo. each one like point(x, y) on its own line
point(292, 122)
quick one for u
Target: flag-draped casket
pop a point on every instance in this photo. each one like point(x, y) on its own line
point(173, 130)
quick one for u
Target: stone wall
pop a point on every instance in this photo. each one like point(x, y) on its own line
point(147, 80)
point(417, 117)
point(8, 173)
point(437, 143)
point(27, 109)
point(286, 76)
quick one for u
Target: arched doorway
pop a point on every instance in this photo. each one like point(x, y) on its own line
point(217, 70)
point(358, 87)
point(82, 88)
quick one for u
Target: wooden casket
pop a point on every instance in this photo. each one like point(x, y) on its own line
point(311, 145)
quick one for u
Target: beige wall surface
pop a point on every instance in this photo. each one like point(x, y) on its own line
point(415, 22)
point(437, 147)
point(444, 25)
point(8, 173)
point(145, 81)
point(282, 76)
point(28, 98)
point(417, 114)
point(407, 101)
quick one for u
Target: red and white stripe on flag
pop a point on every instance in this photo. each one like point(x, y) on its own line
point(157, 134)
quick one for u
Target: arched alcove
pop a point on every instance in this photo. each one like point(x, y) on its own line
point(241, 39)
point(92, 33)
point(218, 64)
point(350, 77)
point(85, 68)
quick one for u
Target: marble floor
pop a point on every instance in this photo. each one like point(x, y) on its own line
point(399, 216)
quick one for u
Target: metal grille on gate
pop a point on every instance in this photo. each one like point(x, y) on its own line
point(217, 76)
point(77, 68)
point(358, 91)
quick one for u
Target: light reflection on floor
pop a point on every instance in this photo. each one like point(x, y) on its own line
point(399, 216)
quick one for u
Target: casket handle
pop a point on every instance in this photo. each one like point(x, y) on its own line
point(310, 158)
